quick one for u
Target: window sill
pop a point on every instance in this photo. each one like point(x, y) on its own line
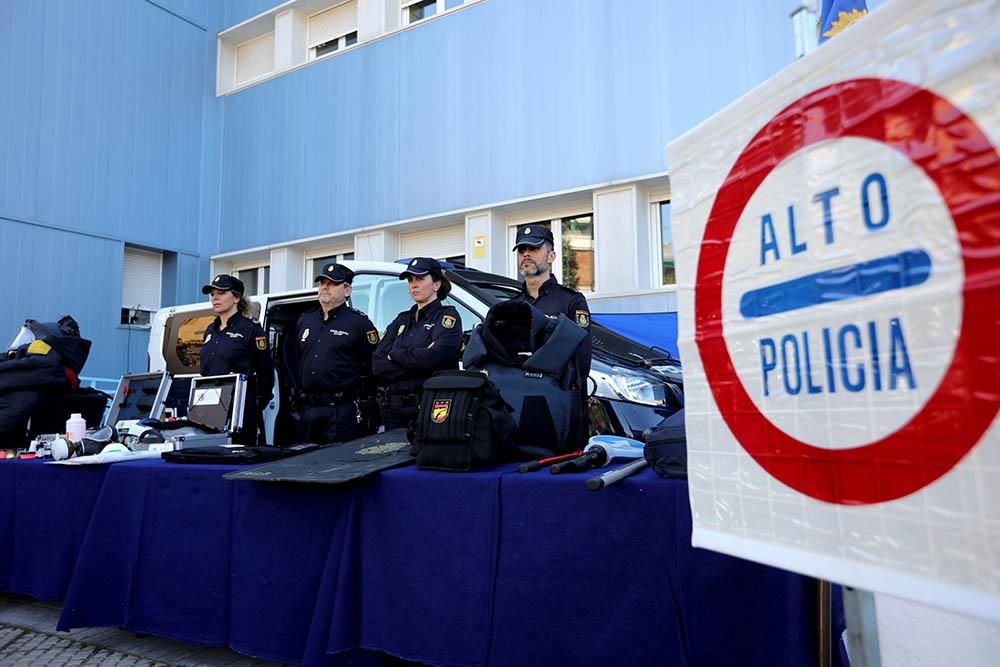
point(135, 327)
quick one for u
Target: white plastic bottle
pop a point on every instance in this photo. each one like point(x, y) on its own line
point(76, 427)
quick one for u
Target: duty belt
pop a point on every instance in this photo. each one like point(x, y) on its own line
point(402, 398)
point(333, 398)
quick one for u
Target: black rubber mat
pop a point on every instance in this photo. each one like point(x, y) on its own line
point(336, 464)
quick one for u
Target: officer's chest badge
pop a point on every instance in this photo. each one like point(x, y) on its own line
point(583, 318)
point(305, 334)
point(448, 322)
point(208, 338)
point(372, 337)
point(440, 410)
point(261, 342)
point(399, 331)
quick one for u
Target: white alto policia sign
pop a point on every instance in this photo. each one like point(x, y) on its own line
point(838, 235)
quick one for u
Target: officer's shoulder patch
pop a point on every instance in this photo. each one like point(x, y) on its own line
point(372, 336)
point(583, 318)
point(39, 347)
point(261, 342)
point(448, 322)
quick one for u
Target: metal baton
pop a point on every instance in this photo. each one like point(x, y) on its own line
point(531, 466)
point(612, 476)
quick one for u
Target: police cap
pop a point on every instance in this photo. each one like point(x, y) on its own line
point(336, 273)
point(421, 266)
point(224, 282)
point(532, 235)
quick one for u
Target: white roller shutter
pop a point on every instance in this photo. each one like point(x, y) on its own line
point(438, 243)
point(141, 279)
point(333, 23)
point(254, 58)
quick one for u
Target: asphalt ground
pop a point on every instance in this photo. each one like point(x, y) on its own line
point(28, 636)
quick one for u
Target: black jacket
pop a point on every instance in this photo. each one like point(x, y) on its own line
point(336, 352)
point(417, 344)
point(240, 348)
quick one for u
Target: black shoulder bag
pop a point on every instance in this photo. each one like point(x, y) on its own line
point(463, 423)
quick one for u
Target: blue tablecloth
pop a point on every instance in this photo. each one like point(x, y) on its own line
point(613, 579)
point(177, 551)
point(499, 568)
point(485, 568)
point(44, 513)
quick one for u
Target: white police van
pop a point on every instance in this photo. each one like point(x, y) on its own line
point(632, 387)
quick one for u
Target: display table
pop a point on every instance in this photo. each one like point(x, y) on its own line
point(500, 568)
point(483, 568)
point(176, 551)
point(44, 514)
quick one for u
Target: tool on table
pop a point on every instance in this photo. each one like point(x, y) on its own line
point(618, 474)
point(601, 450)
point(531, 466)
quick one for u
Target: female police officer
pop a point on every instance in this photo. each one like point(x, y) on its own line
point(420, 341)
point(234, 343)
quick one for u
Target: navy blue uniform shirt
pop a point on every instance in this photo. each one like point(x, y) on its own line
point(240, 348)
point(334, 353)
point(553, 299)
point(417, 344)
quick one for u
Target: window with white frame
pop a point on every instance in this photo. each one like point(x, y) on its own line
point(141, 285)
point(254, 59)
point(805, 26)
point(314, 265)
point(333, 29)
point(574, 246)
point(661, 213)
point(256, 279)
point(418, 10)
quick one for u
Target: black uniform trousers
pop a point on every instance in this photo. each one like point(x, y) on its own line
point(324, 424)
point(400, 417)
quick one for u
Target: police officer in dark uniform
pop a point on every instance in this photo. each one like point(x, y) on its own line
point(535, 250)
point(235, 343)
point(535, 254)
point(335, 344)
point(421, 341)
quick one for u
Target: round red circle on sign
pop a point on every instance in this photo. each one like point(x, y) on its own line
point(961, 161)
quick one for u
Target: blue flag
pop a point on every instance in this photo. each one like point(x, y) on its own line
point(837, 15)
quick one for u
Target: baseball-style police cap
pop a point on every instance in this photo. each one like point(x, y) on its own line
point(337, 273)
point(532, 235)
point(224, 282)
point(421, 266)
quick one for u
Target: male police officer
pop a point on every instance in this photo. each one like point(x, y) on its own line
point(535, 254)
point(335, 351)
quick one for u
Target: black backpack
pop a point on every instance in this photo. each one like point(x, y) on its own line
point(666, 447)
point(463, 423)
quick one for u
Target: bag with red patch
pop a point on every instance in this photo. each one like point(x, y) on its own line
point(463, 423)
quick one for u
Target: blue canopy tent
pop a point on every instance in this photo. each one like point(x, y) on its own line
point(651, 329)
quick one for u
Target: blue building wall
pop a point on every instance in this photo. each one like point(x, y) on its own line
point(102, 143)
point(110, 131)
point(505, 99)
